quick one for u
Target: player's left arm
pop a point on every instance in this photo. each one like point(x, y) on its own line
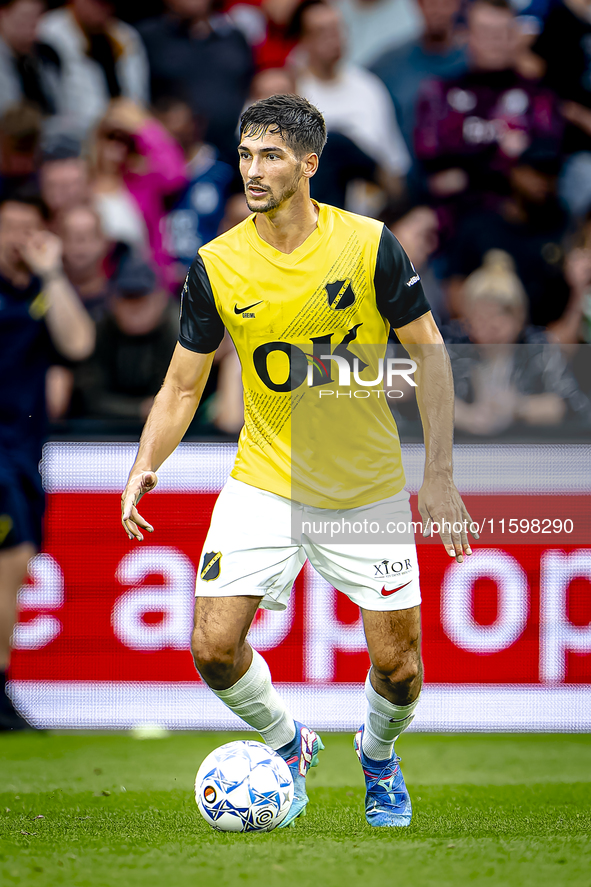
point(439, 500)
point(401, 301)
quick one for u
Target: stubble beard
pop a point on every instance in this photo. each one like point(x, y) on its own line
point(274, 202)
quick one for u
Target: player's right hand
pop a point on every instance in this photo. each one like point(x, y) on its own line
point(137, 486)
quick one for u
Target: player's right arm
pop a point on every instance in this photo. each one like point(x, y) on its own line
point(201, 331)
point(170, 416)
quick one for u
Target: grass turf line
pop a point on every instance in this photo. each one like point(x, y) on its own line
point(489, 809)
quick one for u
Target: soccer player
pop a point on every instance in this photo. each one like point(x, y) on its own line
point(296, 272)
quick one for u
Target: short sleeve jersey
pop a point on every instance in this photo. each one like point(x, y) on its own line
point(311, 329)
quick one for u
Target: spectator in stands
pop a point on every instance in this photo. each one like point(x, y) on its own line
point(266, 26)
point(348, 178)
point(514, 374)
point(135, 341)
point(101, 58)
point(354, 102)
point(529, 225)
point(574, 326)
point(471, 130)
point(85, 257)
point(376, 25)
point(203, 59)
point(137, 164)
point(198, 210)
point(29, 70)
point(564, 48)
point(223, 409)
point(40, 315)
point(236, 211)
point(435, 54)
point(573, 330)
point(20, 133)
point(417, 229)
point(63, 174)
point(271, 81)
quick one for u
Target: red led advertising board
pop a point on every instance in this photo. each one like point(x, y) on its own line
point(103, 636)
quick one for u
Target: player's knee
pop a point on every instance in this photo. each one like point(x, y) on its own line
point(404, 674)
point(215, 662)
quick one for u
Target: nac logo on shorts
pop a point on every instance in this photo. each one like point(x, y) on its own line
point(210, 568)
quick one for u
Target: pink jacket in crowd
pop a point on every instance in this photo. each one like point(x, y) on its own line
point(164, 174)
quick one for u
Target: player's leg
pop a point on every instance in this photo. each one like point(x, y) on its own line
point(236, 673)
point(249, 560)
point(383, 580)
point(240, 678)
point(22, 503)
point(392, 690)
point(394, 681)
point(13, 569)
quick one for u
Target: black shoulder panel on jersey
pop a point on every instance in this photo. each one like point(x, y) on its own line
point(399, 292)
point(201, 327)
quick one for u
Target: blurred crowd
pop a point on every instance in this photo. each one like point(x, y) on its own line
point(464, 125)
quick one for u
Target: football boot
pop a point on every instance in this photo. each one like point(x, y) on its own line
point(387, 801)
point(300, 755)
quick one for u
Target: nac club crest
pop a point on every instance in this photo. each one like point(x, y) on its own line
point(210, 568)
point(340, 294)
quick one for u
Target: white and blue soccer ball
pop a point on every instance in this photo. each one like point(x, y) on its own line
point(244, 786)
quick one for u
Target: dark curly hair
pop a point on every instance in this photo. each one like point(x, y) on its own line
point(299, 123)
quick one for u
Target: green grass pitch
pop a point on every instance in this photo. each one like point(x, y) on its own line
point(109, 810)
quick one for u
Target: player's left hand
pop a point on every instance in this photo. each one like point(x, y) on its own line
point(43, 253)
point(441, 504)
point(137, 486)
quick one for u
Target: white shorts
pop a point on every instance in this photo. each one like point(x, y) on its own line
point(250, 549)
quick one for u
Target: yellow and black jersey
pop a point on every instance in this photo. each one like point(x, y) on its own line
point(295, 320)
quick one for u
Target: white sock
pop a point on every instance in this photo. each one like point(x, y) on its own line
point(384, 722)
point(254, 699)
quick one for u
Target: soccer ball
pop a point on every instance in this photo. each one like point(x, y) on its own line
point(244, 787)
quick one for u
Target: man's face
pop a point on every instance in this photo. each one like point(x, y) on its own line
point(18, 222)
point(64, 183)
point(418, 232)
point(83, 241)
point(491, 37)
point(141, 315)
point(180, 123)
point(439, 16)
point(322, 34)
point(270, 170)
point(190, 9)
point(271, 81)
point(93, 15)
point(18, 24)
